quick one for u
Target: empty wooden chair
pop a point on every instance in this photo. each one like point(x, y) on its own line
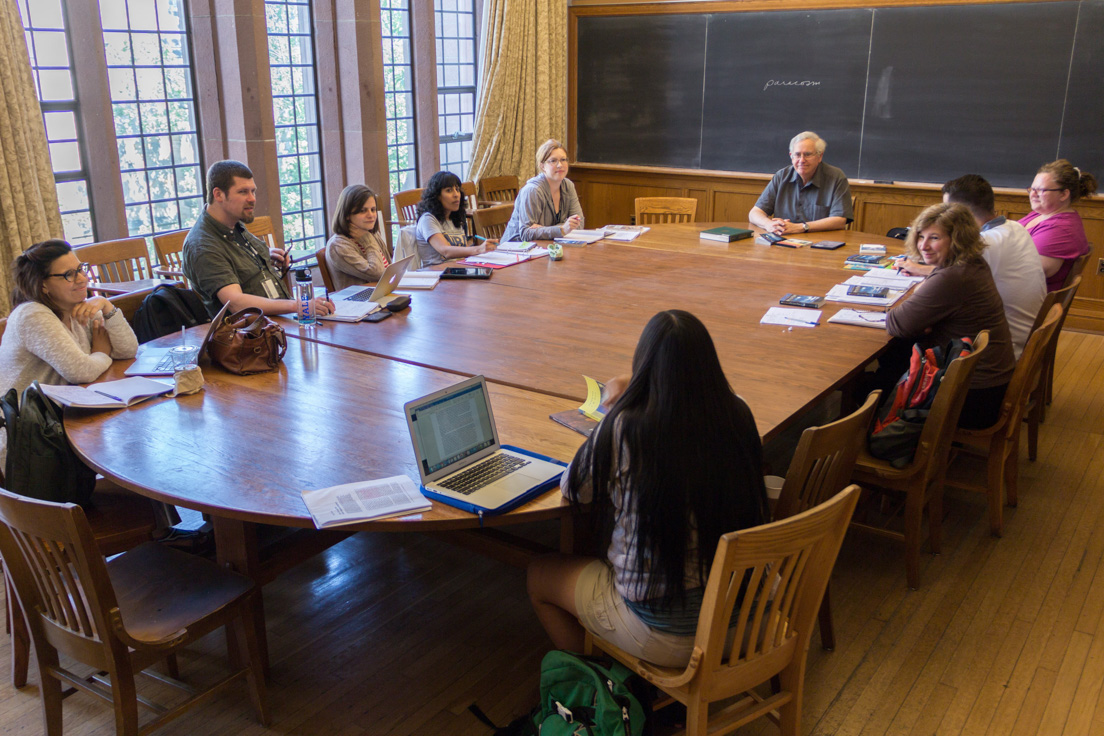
point(821, 468)
point(786, 565)
point(117, 260)
point(324, 269)
point(921, 481)
point(499, 189)
point(119, 617)
point(406, 204)
point(653, 210)
point(490, 222)
point(468, 189)
point(170, 255)
point(1042, 392)
point(1000, 443)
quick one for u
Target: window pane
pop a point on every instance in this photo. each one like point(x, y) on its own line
point(455, 23)
point(398, 98)
point(295, 110)
point(45, 30)
point(157, 136)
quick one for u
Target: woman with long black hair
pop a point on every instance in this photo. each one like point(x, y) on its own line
point(675, 464)
point(442, 232)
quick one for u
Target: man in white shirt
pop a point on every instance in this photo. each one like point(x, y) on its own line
point(1010, 253)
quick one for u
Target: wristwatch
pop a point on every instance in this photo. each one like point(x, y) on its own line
point(110, 314)
point(805, 225)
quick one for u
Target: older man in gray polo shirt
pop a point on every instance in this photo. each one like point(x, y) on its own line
point(224, 262)
point(805, 196)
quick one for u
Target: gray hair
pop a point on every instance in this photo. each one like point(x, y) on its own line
point(809, 135)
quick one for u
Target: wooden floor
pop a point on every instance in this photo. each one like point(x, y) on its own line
point(399, 634)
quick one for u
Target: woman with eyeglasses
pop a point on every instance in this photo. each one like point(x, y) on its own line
point(547, 207)
point(1054, 225)
point(56, 333)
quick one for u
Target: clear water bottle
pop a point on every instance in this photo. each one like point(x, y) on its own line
point(304, 293)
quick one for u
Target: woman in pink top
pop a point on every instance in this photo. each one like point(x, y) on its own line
point(1054, 225)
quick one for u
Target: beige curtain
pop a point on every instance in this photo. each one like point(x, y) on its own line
point(523, 85)
point(28, 199)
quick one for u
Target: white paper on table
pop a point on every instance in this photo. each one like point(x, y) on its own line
point(791, 317)
point(623, 236)
point(861, 318)
point(838, 293)
point(885, 277)
point(370, 499)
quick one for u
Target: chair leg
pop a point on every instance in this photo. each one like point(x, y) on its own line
point(697, 718)
point(994, 477)
point(1050, 376)
point(20, 637)
point(1033, 432)
point(124, 696)
point(172, 666)
point(1012, 472)
point(914, 510)
point(824, 618)
point(51, 692)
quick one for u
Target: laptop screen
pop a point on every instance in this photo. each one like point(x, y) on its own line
point(452, 427)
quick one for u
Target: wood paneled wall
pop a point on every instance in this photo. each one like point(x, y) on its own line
point(607, 194)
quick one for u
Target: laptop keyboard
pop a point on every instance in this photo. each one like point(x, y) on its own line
point(361, 296)
point(483, 474)
point(165, 363)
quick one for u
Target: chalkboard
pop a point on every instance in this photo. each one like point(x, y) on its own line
point(919, 93)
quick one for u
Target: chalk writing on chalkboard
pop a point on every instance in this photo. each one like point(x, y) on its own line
point(790, 83)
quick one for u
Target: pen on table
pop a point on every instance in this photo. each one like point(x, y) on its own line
point(101, 393)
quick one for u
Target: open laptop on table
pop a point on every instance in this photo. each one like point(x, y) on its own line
point(354, 303)
point(158, 362)
point(460, 459)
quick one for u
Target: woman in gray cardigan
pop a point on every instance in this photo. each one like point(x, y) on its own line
point(547, 207)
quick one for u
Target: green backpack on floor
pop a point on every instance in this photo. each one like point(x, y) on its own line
point(582, 696)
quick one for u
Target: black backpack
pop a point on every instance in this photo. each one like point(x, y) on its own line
point(165, 310)
point(40, 463)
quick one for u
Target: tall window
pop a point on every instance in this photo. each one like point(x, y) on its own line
point(295, 108)
point(48, 46)
point(398, 86)
point(455, 21)
point(149, 71)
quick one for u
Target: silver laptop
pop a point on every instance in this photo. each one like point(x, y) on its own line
point(356, 302)
point(158, 362)
point(460, 458)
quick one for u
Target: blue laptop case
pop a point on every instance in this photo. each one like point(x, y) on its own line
point(529, 495)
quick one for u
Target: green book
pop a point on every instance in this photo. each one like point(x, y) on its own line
point(725, 234)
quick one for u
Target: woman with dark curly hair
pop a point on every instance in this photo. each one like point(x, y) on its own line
point(442, 216)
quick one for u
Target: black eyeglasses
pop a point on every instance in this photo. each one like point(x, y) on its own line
point(71, 274)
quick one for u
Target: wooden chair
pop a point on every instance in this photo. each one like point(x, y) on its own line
point(170, 249)
point(490, 222)
point(467, 188)
point(117, 260)
point(651, 210)
point(821, 468)
point(121, 616)
point(1042, 392)
point(787, 564)
point(1001, 442)
point(500, 189)
point(921, 481)
point(324, 269)
point(406, 204)
point(1077, 269)
point(262, 228)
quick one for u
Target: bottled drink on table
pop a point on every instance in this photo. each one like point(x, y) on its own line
point(304, 293)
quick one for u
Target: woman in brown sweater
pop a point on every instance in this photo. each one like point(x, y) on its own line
point(958, 299)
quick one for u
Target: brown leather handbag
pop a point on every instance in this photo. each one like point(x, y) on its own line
point(248, 342)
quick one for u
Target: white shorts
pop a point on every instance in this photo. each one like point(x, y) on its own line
point(603, 612)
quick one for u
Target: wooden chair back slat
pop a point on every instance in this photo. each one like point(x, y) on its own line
point(1077, 268)
point(659, 210)
point(262, 227)
point(169, 248)
point(824, 460)
point(490, 222)
point(406, 204)
point(117, 260)
point(324, 269)
point(499, 188)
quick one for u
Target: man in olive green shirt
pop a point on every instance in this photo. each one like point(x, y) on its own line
point(224, 262)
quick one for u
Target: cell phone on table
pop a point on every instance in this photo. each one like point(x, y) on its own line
point(377, 316)
point(466, 272)
point(877, 292)
point(801, 300)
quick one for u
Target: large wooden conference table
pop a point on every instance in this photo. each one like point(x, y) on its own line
point(542, 325)
point(245, 448)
